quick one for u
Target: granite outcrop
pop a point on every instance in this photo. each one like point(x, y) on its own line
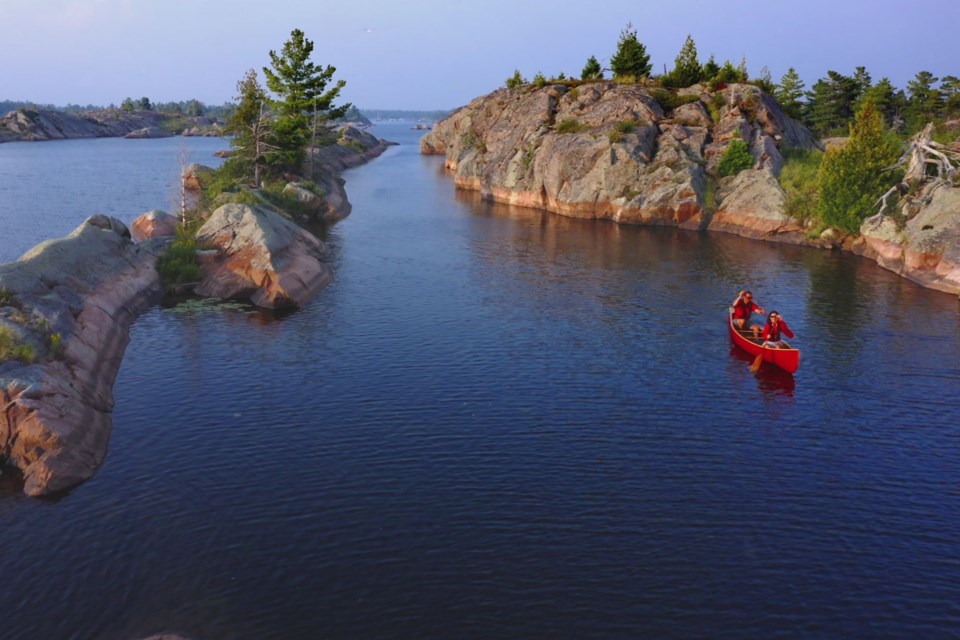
point(70, 303)
point(640, 155)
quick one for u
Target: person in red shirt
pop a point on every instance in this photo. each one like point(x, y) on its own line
point(772, 332)
point(743, 308)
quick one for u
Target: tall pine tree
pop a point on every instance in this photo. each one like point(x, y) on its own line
point(304, 101)
point(686, 69)
point(789, 93)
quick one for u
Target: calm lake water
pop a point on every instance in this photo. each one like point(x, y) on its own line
point(497, 423)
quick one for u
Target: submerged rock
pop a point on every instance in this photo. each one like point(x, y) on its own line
point(262, 257)
point(75, 299)
point(149, 132)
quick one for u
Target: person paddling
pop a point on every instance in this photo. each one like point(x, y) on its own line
point(772, 332)
point(743, 308)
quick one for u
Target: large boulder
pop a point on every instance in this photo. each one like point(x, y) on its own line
point(73, 300)
point(154, 224)
point(195, 175)
point(925, 249)
point(262, 257)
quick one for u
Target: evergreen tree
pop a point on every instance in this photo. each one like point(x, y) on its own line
point(742, 75)
point(592, 70)
point(830, 103)
point(727, 74)
point(304, 101)
point(884, 99)
point(950, 87)
point(686, 69)
point(863, 81)
point(631, 58)
point(789, 93)
point(515, 80)
point(710, 69)
point(250, 125)
point(925, 102)
point(765, 80)
point(854, 176)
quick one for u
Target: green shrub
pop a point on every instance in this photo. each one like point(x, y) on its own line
point(717, 102)
point(179, 265)
point(669, 101)
point(12, 349)
point(852, 177)
point(735, 158)
point(8, 299)
point(529, 155)
point(539, 80)
point(569, 125)
point(274, 194)
point(798, 177)
point(625, 79)
point(515, 80)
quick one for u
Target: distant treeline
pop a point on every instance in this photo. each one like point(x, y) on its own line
point(214, 112)
point(191, 107)
point(411, 116)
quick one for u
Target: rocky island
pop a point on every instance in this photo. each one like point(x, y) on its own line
point(637, 154)
point(67, 305)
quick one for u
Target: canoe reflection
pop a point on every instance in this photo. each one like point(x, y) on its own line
point(770, 379)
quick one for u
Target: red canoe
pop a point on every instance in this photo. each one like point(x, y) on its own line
point(786, 359)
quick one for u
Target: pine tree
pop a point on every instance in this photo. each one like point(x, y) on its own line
point(863, 81)
point(950, 87)
point(831, 102)
point(854, 176)
point(884, 99)
point(710, 69)
point(686, 69)
point(250, 125)
point(631, 58)
point(789, 93)
point(303, 102)
point(592, 70)
point(925, 103)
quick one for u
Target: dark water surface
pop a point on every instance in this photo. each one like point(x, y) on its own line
point(501, 423)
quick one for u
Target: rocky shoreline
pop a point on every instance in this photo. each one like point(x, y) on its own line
point(69, 305)
point(638, 156)
point(29, 125)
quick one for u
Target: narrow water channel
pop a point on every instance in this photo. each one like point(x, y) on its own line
point(503, 423)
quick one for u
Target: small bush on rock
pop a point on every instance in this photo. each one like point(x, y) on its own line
point(735, 159)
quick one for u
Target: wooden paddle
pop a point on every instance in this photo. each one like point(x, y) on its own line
point(757, 361)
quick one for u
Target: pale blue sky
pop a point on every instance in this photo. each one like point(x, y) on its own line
point(438, 54)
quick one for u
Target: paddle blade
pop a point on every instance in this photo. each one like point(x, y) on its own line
point(756, 363)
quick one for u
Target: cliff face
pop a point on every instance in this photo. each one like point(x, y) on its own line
point(73, 301)
point(45, 124)
point(605, 150)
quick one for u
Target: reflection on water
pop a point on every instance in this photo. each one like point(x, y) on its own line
point(502, 423)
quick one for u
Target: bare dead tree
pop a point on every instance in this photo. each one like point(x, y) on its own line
point(922, 153)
